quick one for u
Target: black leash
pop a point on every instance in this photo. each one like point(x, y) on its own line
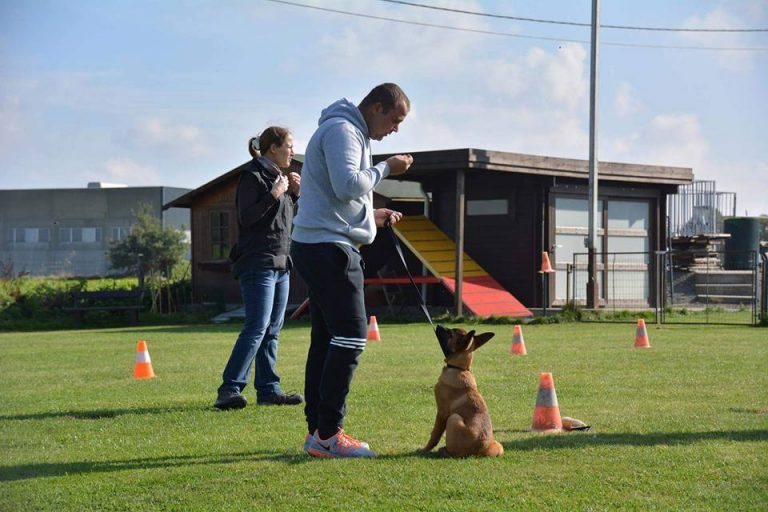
point(399, 250)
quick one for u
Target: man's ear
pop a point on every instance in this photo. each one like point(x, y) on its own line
point(482, 339)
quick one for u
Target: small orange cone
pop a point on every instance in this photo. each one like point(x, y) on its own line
point(518, 343)
point(143, 367)
point(641, 335)
point(546, 415)
point(546, 267)
point(373, 330)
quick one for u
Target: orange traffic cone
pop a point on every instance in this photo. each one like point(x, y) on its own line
point(641, 335)
point(546, 415)
point(373, 330)
point(143, 367)
point(518, 343)
point(546, 267)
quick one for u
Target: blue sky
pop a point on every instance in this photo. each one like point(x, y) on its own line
point(168, 92)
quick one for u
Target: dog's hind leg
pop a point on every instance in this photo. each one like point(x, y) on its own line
point(460, 439)
point(437, 433)
point(495, 449)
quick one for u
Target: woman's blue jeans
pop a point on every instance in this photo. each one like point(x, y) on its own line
point(265, 296)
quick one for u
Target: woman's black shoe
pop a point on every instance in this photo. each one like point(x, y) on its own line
point(230, 400)
point(281, 399)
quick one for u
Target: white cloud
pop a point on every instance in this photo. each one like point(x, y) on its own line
point(531, 103)
point(723, 18)
point(565, 75)
point(10, 116)
point(375, 47)
point(625, 102)
point(558, 78)
point(511, 126)
point(529, 100)
point(182, 138)
point(668, 139)
point(677, 140)
point(126, 171)
point(742, 177)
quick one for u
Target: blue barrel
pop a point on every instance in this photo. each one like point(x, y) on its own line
point(741, 248)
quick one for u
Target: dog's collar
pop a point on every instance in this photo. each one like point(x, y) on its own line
point(455, 367)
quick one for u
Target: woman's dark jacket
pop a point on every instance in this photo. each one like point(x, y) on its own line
point(263, 221)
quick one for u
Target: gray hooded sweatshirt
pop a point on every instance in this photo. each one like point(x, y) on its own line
point(337, 180)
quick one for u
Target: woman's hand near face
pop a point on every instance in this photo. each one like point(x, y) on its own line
point(279, 187)
point(294, 183)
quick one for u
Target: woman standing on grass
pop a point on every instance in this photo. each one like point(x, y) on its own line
point(266, 195)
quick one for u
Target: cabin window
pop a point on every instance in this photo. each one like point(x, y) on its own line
point(626, 242)
point(219, 235)
point(488, 207)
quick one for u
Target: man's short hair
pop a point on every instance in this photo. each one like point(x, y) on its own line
point(388, 94)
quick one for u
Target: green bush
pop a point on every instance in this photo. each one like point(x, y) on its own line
point(38, 302)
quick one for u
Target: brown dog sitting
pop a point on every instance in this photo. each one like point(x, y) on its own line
point(461, 411)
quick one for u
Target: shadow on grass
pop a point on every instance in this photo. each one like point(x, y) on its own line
point(581, 439)
point(99, 414)
point(53, 469)
point(539, 442)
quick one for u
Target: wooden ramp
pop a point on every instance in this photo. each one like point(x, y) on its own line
point(481, 294)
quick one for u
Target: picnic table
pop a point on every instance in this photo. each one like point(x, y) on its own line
point(128, 301)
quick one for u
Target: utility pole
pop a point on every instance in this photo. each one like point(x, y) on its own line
point(458, 304)
point(593, 291)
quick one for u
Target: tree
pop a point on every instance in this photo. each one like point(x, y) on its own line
point(155, 247)
point(150, 250)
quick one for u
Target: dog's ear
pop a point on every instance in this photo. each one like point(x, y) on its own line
point(465, 341)
point(482, 339)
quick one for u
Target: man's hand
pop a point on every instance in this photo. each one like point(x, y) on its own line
point(383, 214)
point(398, 164)
point(294, 183)
point(279, 187)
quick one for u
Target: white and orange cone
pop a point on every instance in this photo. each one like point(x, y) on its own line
point(143, 367)
point(546, 414)
point(373, 330)
point(518, 343)
point(546, 266)
point(641, 335)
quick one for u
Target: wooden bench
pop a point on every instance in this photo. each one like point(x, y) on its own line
point(128, 301)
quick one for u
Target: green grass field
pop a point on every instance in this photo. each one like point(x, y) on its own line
point(680, 426)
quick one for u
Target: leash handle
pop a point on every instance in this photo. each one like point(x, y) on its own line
point(396, 242)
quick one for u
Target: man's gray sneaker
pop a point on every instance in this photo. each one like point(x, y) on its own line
point(308, 442)
point(338, 446)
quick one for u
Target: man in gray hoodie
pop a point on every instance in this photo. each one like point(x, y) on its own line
point(336, 217)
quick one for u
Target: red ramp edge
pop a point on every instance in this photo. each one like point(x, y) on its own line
point(484, 296)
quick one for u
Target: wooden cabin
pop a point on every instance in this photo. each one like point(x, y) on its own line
point(213, 224)
point(516, 206)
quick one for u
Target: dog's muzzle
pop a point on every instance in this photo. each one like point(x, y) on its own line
point(443, 336)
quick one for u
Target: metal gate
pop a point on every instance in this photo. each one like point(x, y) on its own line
point(715, 287)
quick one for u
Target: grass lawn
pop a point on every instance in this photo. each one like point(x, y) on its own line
point(680, 426)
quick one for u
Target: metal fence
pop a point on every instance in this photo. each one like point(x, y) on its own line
point(699, 209)
point(717, 287)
